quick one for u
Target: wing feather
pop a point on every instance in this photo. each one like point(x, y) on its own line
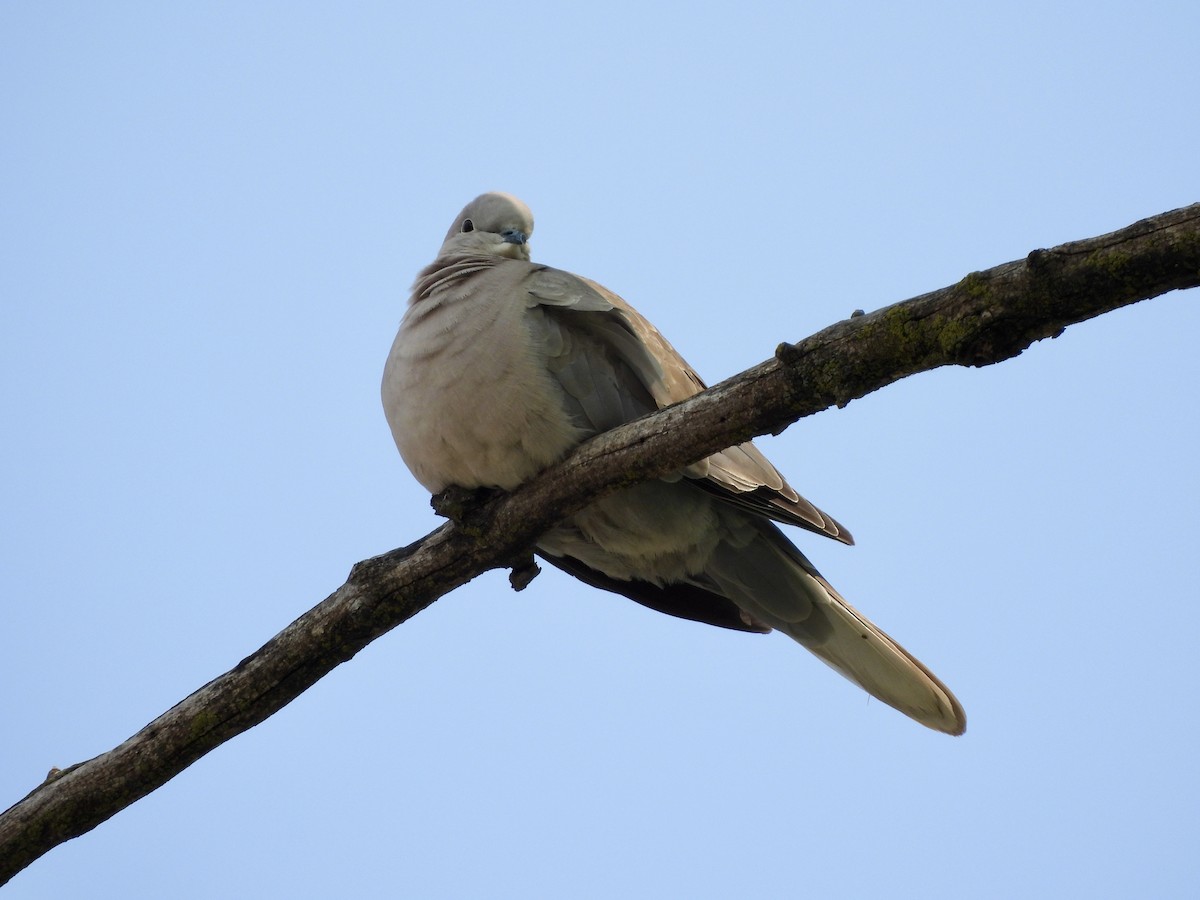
point(615, 366)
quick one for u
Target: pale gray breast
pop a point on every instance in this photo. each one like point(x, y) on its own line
point(466, 389)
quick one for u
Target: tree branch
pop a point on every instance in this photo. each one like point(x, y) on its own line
point(987, 317)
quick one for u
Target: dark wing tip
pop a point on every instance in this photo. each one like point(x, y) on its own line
point(806, 515)
point(684, 601)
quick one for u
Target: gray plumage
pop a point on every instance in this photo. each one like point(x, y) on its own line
point(501, 366)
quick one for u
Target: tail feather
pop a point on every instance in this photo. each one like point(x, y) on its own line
point(775, 584)
point(868, 656)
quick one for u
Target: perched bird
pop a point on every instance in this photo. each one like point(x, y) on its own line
point(501, 366)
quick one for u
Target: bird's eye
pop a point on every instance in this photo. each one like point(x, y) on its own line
point(467, 225)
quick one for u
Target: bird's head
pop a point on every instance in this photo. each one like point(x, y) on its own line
point(493, 224)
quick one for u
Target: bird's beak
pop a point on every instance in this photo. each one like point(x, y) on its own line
point(512, 236)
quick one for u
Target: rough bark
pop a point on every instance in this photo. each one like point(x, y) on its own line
point(985, 318)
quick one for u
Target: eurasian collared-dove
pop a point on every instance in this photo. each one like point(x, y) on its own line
point(501, 366)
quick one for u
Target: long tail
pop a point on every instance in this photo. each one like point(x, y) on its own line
point(775, 584)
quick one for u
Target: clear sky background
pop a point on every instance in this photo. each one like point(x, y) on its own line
point(210, 215)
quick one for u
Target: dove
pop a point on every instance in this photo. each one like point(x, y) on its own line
point(501, 366)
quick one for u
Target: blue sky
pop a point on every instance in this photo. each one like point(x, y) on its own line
point(210, 215)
